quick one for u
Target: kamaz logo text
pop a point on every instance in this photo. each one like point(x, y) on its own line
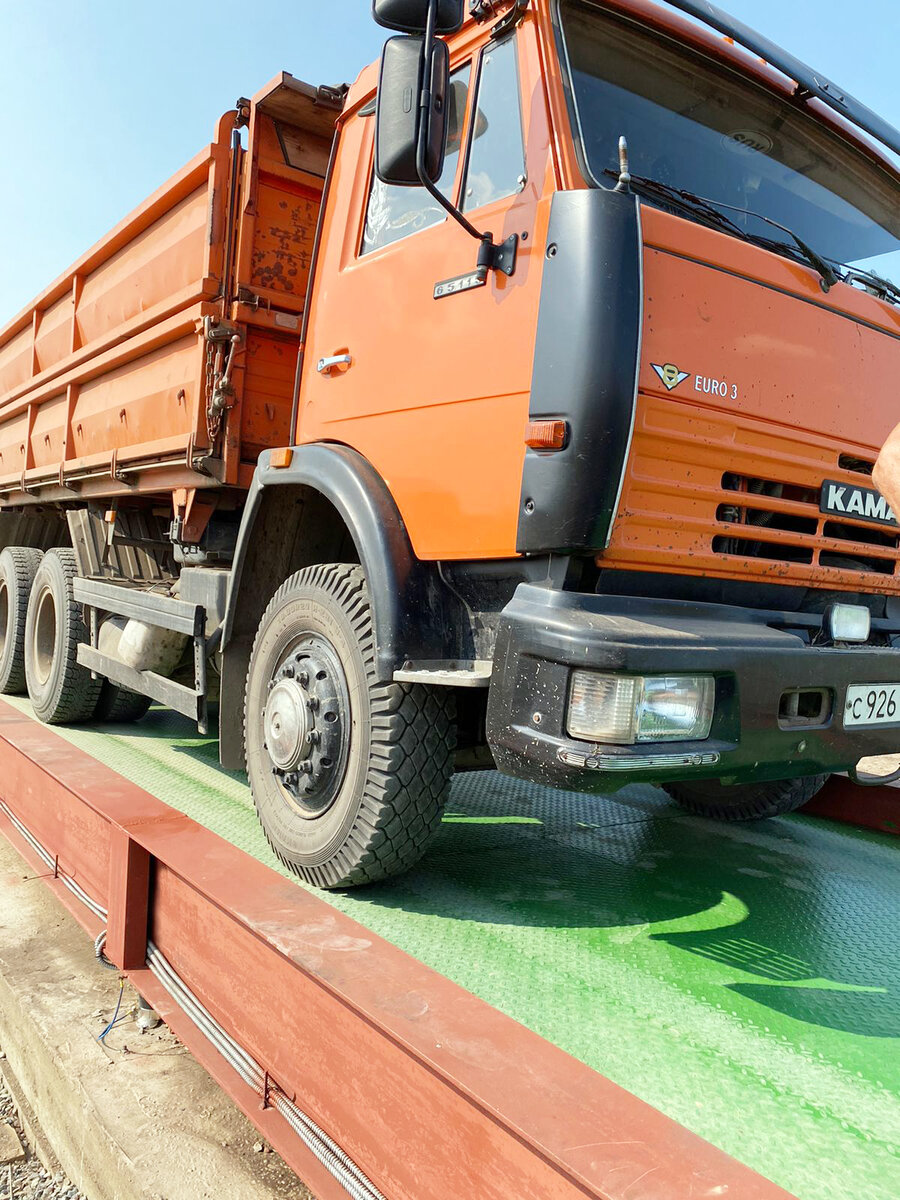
point(843, 499)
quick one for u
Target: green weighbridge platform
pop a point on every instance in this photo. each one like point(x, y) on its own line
point(626, 975)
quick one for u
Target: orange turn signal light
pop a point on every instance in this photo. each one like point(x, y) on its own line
point(282, 457)
point(546, 435)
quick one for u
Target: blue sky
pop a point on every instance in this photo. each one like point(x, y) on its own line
point(105, 100)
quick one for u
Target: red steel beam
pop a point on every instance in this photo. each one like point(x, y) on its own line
point(431, 1091)
point(874, 807)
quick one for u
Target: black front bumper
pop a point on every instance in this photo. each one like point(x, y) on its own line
point(754, 656)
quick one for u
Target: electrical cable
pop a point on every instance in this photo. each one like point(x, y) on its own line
point(115, 1015)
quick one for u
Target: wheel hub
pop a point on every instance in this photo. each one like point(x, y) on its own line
point(306, 725)
point(287, 725)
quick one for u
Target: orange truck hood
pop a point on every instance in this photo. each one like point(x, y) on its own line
point(753, 379)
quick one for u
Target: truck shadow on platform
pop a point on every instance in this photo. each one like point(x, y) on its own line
point(794, 914)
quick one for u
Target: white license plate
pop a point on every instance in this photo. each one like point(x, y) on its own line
point(872, 704)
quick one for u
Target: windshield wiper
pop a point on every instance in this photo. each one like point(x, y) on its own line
point(708, 210)
point(687, 202)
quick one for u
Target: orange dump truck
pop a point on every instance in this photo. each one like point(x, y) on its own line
point(515, 406)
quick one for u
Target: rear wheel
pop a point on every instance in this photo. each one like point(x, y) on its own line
point(18, 567)
point(60, 689)
point(118, 704)
point(349, 776)
point(745, 801)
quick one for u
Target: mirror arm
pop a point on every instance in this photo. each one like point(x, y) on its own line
point(488, 250)
point(434, 190)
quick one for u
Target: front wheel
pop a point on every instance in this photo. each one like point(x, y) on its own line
point(745, 801)
point(349, 776)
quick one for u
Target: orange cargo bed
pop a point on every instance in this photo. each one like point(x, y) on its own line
point(104, 384)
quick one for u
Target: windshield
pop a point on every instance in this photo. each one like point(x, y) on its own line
point(693, 125)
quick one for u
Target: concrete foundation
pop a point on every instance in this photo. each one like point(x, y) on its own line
point(136, 1119)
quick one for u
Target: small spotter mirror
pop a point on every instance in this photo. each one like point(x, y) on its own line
point(410, 16)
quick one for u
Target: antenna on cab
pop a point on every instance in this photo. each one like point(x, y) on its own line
point(624, 183)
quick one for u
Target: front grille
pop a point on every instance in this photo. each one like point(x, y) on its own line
point(729, 496)
point(859, 466)
point(784, 508)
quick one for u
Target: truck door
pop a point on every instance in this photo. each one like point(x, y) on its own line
point(434, 392)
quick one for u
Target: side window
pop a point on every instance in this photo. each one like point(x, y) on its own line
point(396, 212)
point(496, 165)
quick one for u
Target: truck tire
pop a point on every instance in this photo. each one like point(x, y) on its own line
point(118, 704)
point(60, 689)
point(745, 801)
point(349, 776)
point(18, 567)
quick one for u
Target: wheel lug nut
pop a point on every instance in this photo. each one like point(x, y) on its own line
point(306, 767)
point(289, 672)
point(313, 704)
point(303, 679)
point(315, 737)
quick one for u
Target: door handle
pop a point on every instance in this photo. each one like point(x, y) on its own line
point(324, 365)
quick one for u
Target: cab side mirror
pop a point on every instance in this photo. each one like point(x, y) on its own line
point(411, 16)
point(412, 112)
point(400, 113)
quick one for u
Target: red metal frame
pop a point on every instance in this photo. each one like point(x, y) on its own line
point(875, 807)
point(431, 1091)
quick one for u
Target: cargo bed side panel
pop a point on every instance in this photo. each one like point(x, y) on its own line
point(107, 365)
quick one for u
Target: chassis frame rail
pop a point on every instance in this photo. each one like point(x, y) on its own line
point(425, 1089)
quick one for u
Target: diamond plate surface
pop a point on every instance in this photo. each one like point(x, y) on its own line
point(744, 980)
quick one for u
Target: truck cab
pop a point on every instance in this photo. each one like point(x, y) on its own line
point(641, 460)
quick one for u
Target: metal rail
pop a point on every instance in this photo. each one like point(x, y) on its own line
point(154, 608)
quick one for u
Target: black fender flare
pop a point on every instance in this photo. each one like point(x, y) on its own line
point(401, 590)
point(410, 605)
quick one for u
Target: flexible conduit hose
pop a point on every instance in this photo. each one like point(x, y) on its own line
point(329, 1154)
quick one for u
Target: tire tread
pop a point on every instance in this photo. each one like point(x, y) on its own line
point(119, 705)
point(749, 801)
point(77, 698)
point(411, 754)
point(26, 561)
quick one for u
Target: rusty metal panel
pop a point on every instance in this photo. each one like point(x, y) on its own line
point(128, 901)
point(269, 366)
point(872, 807)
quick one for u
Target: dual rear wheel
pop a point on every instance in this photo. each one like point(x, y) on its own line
point(41, 626)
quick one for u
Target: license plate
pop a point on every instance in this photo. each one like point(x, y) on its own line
point(872, 704)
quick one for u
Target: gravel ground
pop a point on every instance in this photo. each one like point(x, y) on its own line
point(27, 1179)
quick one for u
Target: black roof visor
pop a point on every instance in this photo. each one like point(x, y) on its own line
point(810, 83)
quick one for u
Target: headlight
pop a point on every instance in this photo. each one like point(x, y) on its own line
point(848, 622)
point(624, 709)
